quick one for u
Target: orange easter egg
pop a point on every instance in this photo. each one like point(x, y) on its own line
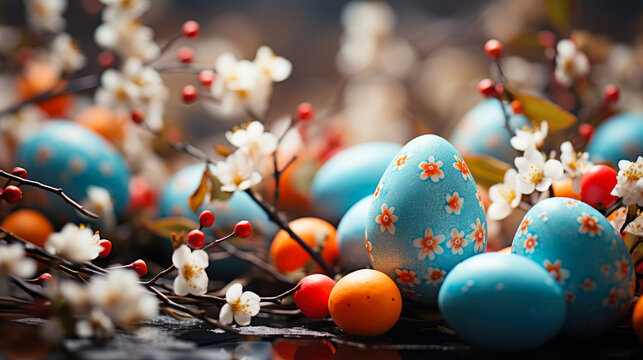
point(637, 319)
point(288, 255)
point(563, 188)
point(506, 250)
point(29, 225)
point(365, 302)
point(40, 77)
point(104, 122)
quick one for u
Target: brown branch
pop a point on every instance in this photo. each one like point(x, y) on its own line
point(182, 68)
point(279, 298)
point(256, 261)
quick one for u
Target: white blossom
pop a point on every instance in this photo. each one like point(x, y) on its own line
point(66, 54)
point(14, 263)
point(100, 201)
point(571, 63)
point(116, 91)
point(528, 138)
point(96, 325)
point(574, 163)
point(504, 197)
point(237, 172)
point(239, 306)
point(534, 173)
point(191, 266)
point(46, 15)
point(124, 8)
point(74, 243)
point(127, 37)
point(629, 184)
point(275, 67)
point(253, 140)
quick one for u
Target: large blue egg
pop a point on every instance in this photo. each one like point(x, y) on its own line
point(586, 255)
point(502, 301)
point(349, 176)
point(351, 236)
point(425, 217)
point(618, 138)
point(482, 131)
point(64, 154)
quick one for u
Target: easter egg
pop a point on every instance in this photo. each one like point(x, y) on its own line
point(288, 255)
point(365, 302)
point(65, 154)
point(618, 138)
point(502, 301)
point(29, 225)
point(351, 238)
point(580, 248)
point(104, 122)
point(349, 176)
point(312, 296)
point(564, 188)
point(39, 77)
point(425, 217)
point(637, 319)
point(482, 131)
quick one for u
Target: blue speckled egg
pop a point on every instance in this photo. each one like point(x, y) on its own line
point(426, 216)
point(64, 154)
point(586, 255)
point(618, 138)
point(502, 301)
point(349, 176)
point(482, 131)
point(351, 236)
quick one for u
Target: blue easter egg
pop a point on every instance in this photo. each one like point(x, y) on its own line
point(482, 131)
point(618, 138)
point(502, 301)
point(586, 255)
point(426, 216)
point(351, 236)
point(67, 155)
point(349, 176)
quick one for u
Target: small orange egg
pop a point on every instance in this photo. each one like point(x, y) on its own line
point(29, 225)
point(288, 255)
point(365, 302)
point(637, 319)
point(40, 77)
point(506, 250)
point(104, 122)
point(563, 188)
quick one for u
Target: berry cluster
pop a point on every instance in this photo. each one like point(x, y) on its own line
point(12, 193)
point(196, 237)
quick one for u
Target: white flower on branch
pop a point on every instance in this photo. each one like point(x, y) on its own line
point(124, 8)
point(128, 38)
point(120, 296)
point(46, 15)
point(504, 197)
point(116, 90)
point(237, 172)
point(66, 54)
point(253, 140)
point(275, 67)
point(191, 266)
point(534, 173)
point(528, 138)
point(96, 325)
point(76, 244)
point(100, 202)
point(630, 182)
point(239, 306)
point(575, 164)
point(14, 263)
point(571, 63)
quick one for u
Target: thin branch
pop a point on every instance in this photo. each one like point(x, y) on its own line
point(57, 191)
point(28, 289)
point(182, 68)
point(256, 261)
point(279, 298)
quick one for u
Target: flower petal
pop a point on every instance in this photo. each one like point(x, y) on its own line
point(181, 287)
point(234, 293)
point(181, 256)
point(225, 315)
point(242, 319)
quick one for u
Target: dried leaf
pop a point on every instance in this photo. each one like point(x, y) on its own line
point(537, 109)
point(486, 170)
point(223, 150)
point(196, 199)
point(215, 190)
point(177, 240)
point(166, 226)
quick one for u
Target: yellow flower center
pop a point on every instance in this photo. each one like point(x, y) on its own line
point(536, 175)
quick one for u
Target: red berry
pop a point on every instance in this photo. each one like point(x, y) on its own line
point(516, 106)
point(137, 116)
point(586, 131)
point(500, 89)
point(305, 112)
point(493, 48)
point(189, 94)
point(486, 88)
point(206, 219)
point(139, 266)
point(312, 296)
point(18, 171)
point(107, 247)
point(596, 185)
point(185, 54)
point(191, 29)
point(196, 239)
point(105, 59)
point(611, 94)
point(12, 194)
point(547, 39)
point(243, 229)
point(44, 277)
point(206, 77)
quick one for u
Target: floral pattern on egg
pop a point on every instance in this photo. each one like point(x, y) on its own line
point(425, 217)
point(581, 250)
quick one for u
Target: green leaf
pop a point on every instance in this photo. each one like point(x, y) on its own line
point(166, 226)
point(198, 196)
point(215, 190)
point(486, 170)
point(538, 109)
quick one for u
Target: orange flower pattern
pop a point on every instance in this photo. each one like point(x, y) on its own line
point(406, 277)
point(460, 165)
point(386, 219)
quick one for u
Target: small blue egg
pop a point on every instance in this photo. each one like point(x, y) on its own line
point(426, 215)
point(482, 131)
point(68, 155)
point(586, 255)
point(502, 302)
point(349, 176)
point(618, 138)
point(351, 236)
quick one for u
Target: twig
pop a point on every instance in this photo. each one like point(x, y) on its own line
point(182, 68)
point(57, 191)
point(279, 298)
point(28, 289)
point(256, 261)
